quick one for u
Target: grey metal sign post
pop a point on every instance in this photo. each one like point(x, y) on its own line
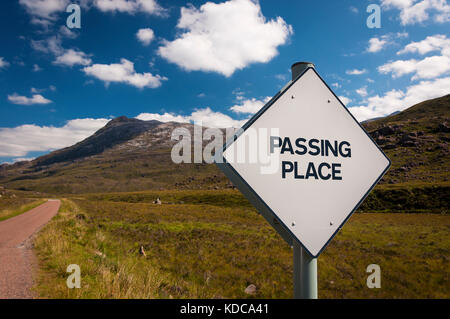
point(305, 266)
point(318, 167)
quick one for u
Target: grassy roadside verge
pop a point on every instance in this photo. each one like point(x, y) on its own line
point(198, 249)
point(12, 212)
point(108, 269)
point(405, 198)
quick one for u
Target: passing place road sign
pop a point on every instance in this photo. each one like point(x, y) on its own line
point(304, 162)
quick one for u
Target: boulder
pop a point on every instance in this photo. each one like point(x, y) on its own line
point(389, 146)
point(386, 130)
point(80, 217)
point(99, 253)
point(407, 137)
point(443, 127)
point(409, 143)
point(250, 290)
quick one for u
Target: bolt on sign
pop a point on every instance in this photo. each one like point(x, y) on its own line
point(319, 163)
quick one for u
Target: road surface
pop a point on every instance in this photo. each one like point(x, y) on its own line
point(17, 261)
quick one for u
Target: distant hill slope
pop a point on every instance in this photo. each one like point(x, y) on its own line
point(432, 111)
point(416, 141)
point(130, 155)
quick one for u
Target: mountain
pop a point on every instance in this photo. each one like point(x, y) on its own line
point(116, 131)
point(125, 155)
point(130, 155)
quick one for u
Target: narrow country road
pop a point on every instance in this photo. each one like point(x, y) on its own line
point(16, 255)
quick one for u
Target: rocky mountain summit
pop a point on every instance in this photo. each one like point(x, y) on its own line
point(116, 131)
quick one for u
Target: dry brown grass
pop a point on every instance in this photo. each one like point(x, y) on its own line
point(67, 239)
point(199, 249)
point(15, 206)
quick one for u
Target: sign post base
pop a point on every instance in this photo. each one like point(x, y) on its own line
point(305, 273)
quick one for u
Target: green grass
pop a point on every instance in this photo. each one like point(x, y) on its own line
point(416, 198)
point(16, 206)
point(108, 268)
point(207, 244)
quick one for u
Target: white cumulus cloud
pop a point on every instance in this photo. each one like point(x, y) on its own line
point(123, 72)
point(354, 9)
point(165, 117)
point(336, 85)
point(249, 106)
point(345, 99)
point(429, 67)
point(419, 11)
point(36, 68)
point(49, 45)
point(205, 116)
point(210, 118)
point(438, 42)
point(72, 57)
point(145, 36)
point(3, 63)
point(356, 72)
point(65, 57)
point(67, 33)
point(225, 37)
point(377, 44)
point(24, 100)
point(398, 100)
point(130, 6)
point(20, 140)
point(44, 12)
point(362, 91)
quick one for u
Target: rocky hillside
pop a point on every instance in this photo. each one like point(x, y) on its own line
point(116, 131)
point(416, 140)
point(125, 155)
point(130, 155)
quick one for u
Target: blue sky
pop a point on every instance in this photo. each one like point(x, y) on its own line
point(216, 61)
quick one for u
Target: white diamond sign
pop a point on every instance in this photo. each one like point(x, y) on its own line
point(304, 162)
